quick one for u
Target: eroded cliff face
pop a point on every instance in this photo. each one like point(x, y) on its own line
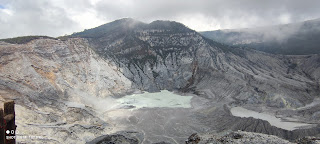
point(52, 70)
point(58, 82)
point(66, 90)
point(171, 56)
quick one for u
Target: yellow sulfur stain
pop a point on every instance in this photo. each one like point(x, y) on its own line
point(49, 75)
point(286, 103)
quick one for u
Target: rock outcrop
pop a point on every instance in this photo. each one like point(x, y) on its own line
point(240, 137)
point(119, 138)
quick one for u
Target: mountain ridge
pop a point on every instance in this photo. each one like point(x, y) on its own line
point(73, 84)
point(289, 39)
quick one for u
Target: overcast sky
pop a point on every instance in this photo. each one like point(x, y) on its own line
point(60, 17)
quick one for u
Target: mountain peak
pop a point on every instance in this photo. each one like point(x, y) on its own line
point(169, 25)
point(123, 25)
point(125, 21)
point(127, 24)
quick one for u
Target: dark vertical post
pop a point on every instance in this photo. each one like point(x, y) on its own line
point(2, 127)
point(11, 124)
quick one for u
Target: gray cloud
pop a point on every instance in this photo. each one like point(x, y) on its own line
point(38, 17)
point(59, 17)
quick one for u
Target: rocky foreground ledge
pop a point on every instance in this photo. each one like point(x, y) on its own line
point(239, 137)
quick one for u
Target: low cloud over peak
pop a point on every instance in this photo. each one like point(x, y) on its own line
point(59, 17)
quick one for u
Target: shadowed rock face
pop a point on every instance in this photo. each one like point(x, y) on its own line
point(60, 85)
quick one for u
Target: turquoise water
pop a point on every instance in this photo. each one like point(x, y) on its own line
point(159, 99)
point(242, 112)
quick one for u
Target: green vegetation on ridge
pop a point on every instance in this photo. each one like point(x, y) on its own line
point(24, 39)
